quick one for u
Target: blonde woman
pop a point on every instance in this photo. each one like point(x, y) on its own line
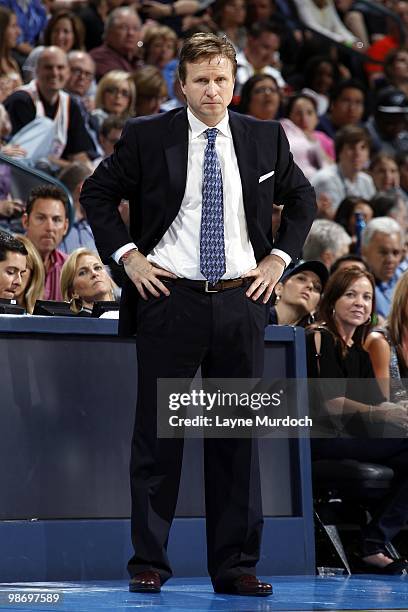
point(388, 346)
point(115, 95)
point(84, 280)
point(33, 278)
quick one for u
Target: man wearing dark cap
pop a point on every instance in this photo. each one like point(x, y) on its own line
point(388, 127)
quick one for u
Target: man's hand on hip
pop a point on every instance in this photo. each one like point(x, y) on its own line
point(266, 275)
point(145, 276)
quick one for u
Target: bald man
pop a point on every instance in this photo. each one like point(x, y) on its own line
point(44, 97)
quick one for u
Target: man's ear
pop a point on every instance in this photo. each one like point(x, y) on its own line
point(327, 258)
point(66, 227)
point(24, 221)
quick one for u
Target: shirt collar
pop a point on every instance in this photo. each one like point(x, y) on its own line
point(197, 127)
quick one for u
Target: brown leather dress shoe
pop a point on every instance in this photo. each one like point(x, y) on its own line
point(247, 584)
point(145, 582)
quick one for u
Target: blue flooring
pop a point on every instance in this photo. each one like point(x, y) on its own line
point(300, 594)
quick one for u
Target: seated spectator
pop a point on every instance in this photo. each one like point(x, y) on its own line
point(151, 90)
point(64, 30)
point(321, 16)
point(260, 97)
point(120, 49)
point(382, 242)
point(80, 233)
point(327, 241)
point(32, 282)
point(32, 18)
point(346, 216)
point(402, 162)
point(10, 76)
point(160, 50)
point(396, 70)
point(387, 346)
point(391, 204)
point(335, 352)
point(348, 261)
point(44, 97)
point(385, 172)
point(84, 280)
point(46, 223)
point(80, 86)
point(110, 133)
point(10, 208)
point(13, 262)
point(347, 102)
point(298, 293)
point(229, 17)
point(346, 177)
point(261, 55)
point(321, 74)
point(388, 127)
point(115, 95)
point(309, 148)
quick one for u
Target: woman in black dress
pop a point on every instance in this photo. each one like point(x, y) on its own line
point(335, 352)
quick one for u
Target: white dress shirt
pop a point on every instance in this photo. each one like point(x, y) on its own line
point(179, 249)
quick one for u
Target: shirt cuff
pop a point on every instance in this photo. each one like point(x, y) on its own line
point(123, 249)
point(286, 258)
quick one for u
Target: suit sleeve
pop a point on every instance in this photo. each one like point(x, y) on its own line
point(116, 178)
point(295, 193)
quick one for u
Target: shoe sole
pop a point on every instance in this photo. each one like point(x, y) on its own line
point(142, 590)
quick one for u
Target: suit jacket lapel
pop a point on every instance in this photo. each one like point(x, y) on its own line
point(246, 151)
point(176, 152)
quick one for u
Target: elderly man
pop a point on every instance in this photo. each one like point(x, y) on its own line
point(79, 84)
point(327, 241)
point(120, 50)
point(44, 97)
point(382, 248)
point(12, 265)
point(46, 223)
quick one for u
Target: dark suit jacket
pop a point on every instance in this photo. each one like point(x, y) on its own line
point(149, 168)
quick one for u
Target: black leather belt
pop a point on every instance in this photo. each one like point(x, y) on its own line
point(206, 287)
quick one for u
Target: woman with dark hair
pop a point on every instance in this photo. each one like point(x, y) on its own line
point(320, 75)
point(229, 17)
point(66, 31)
point(312, 150)
point(298, 293)
point(396, 70)
point(10, 77)
point(384, 171)
point(260, 97)
point(391, 204)
point(354, 407)
point(346, 215)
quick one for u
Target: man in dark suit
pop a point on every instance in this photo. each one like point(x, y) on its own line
point(201, 268)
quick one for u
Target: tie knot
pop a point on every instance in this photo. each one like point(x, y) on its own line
point(211, 135)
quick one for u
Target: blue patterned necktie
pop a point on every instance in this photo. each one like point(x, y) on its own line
point(212, 250)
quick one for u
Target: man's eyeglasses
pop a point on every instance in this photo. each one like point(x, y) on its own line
point(115, 91)
point(78, 72)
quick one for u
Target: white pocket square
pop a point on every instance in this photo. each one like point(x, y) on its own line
point(266, 176)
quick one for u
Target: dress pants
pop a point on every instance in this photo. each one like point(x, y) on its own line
point(391, 514)
point(224, 334)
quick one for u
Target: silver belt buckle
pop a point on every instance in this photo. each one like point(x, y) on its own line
point(207, 290)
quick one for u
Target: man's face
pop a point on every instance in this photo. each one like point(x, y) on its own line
point(383, 255)
point(348, 108)
point(124, 34)
point(52, 70)
point(46, 225)
point(82, 71)
point(354, 156)
point(108, 142)
point(208, 88)
point(11, 271)
point(263, 49)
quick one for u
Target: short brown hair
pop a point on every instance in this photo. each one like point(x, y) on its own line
point(351, 134)
point(201, 46)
